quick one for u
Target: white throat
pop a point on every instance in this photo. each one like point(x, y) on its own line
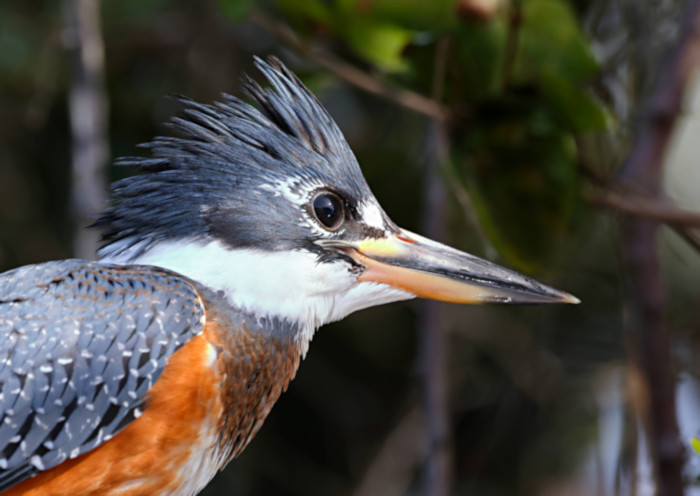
point(290, 285)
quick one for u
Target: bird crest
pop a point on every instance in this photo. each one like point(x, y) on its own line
point(230, 162)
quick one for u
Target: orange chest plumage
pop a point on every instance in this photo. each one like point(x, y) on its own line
point(210, 401)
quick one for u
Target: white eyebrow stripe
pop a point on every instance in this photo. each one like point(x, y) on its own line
point(371, 215)
point(296, 190)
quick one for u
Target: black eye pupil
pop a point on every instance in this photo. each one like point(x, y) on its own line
point(329, 210)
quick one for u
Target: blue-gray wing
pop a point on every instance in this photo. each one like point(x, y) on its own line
point(81, 343)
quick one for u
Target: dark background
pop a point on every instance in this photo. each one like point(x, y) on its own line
point(543, 100)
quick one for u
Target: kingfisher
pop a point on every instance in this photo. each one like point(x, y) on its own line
point(146, 372)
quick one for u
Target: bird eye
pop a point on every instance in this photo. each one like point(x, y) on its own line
point(329, 211)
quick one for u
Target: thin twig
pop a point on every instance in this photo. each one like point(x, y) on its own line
point(594, 176)
point(645, 207)
point(689, 236)
point(648, 331)
point(682, 222)
point(601, 181)
point(351, 74)
point(88, 118)
point(515, 19)
point(460, 193)
point(437, 479)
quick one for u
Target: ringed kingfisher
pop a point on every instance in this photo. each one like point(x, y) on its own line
point(146, 372)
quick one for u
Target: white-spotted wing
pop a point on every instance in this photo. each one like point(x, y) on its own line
point(81, 343)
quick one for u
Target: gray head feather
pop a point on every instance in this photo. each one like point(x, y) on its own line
point(222, 178)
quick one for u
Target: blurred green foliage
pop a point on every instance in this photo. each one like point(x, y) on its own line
point(516, 82)
point(521, 74)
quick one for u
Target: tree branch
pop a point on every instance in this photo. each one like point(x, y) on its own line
point(88, 109)
point(351, 74)
point(648, 208)
point(647, 328)
point(515, 20)
point(674, 218)
point(437, 479)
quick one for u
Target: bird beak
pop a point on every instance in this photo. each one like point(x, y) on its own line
point(432, 270)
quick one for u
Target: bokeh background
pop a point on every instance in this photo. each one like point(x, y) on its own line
point(514, 129)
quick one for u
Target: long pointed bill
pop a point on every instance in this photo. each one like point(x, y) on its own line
point(432, 270)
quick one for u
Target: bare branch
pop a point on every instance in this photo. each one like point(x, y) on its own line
point(646, 207)
point(617, 197)
point(351, 74)
point(88, 118)
point(689, 236)
point(644, 164)
point(515, 19)
point(437, 478)
point(647, 328)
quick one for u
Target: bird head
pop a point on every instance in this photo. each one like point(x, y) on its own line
point(267, 204)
